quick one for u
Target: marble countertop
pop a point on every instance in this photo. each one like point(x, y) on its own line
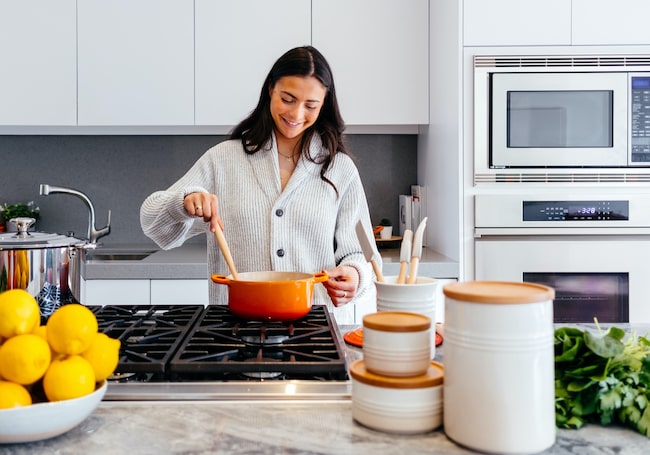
point(189, 262)
point(272, 427)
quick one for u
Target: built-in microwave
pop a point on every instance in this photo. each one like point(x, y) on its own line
point(562, 112)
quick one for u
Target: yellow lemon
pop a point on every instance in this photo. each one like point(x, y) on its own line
point(41, 331)
point(19, 313)
point(103, 355)
point(71, 328)
point(13, 395)
point(68, 377)
point(24, 358)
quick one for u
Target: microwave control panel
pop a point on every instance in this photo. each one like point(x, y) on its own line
point(576, 210)
point(640, 118)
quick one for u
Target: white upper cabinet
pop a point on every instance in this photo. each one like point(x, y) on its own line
point(611, 22)
point(136, 62)
point(237, 42)
point(38, 70)
point(517, 22)
point(379, 53)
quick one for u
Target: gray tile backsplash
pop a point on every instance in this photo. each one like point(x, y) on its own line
point(118, 172)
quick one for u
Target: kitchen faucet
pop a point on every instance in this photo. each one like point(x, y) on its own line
point(94, 234)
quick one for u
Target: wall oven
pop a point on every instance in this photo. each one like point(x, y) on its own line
point(554, 114)
point(593, 250)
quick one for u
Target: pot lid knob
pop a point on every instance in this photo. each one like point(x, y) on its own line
point(22, 224)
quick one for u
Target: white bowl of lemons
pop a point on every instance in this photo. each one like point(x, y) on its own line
point(46, 420)
point(52, 376)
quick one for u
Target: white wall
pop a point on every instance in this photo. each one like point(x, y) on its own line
point(439, 143)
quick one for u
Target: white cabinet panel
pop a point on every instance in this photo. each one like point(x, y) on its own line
point(379, 53)
point(611, 22)
point(516, 22)
point(237, 42)
point(38, 62)
point(136, 62)
point(117, 292)
point(179, 292)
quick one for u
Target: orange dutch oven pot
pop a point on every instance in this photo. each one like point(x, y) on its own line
point(271, 296)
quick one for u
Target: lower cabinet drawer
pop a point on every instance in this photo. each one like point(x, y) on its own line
point(179, 292)
point(117, 292)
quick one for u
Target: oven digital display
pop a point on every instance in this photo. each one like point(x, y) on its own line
point(576, 210)
point(582, 210)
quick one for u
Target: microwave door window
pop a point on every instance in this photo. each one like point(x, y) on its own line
point(559, 119)
point(537, 127)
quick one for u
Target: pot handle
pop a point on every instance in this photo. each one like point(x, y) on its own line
point(220, 279)
point(320, 277)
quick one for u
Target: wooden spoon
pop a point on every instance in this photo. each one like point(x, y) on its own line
point(223, 246)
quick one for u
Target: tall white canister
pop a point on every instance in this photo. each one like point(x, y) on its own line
point(499, 366)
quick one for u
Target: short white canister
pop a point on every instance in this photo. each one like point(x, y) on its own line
point(499, 366)
point(397, 405)
point(397, 343)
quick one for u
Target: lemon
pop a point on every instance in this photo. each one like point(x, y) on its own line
point(40, 331)
point(13, 395)
point(19, 313)
point(68, 377)
point(24, 358)
point(71, 328)
point(103, 355)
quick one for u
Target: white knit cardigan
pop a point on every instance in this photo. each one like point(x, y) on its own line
point(305, 228)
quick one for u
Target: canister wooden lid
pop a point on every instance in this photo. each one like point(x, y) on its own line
point(397, 321)
point(433, 377)
point(498, 292)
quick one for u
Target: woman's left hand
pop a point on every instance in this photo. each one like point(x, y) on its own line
point(342, 284)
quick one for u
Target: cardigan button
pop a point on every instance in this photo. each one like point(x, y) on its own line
point(279, 212)
point(280, 252)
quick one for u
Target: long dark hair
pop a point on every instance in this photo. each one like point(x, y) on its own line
point(255, 130)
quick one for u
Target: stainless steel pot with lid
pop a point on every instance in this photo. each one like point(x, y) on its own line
point(45, 265)
point(48, 266)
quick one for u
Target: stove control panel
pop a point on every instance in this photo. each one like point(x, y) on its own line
point(599, 210)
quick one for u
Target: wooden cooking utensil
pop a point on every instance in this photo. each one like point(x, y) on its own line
point(225, 250)
point(405, 256)
point(417, 251)
point(368, 250)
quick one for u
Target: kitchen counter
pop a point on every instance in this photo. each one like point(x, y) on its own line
point(272, 428)
point(296, 427)
point(189, 262)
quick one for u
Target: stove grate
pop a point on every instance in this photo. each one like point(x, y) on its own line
point(149, 334)
point(220, 343)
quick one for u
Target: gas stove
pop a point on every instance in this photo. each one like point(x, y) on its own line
point(192, 352)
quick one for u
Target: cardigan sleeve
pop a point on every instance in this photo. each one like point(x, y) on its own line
point(162, 215)
point(354, 207)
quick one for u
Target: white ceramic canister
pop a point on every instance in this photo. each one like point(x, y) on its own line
point(499, 366)
point(397, 405)
point(419, 297)
point(397, 343)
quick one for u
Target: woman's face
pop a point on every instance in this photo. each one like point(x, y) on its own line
point(296, 102)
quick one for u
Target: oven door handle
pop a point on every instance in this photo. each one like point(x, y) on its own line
point(605, 231)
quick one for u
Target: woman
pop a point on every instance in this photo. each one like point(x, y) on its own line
point(283, 187)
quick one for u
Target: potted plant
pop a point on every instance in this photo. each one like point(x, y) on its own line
point(7, 212)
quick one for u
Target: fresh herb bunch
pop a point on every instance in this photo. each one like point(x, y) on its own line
point(602, 378)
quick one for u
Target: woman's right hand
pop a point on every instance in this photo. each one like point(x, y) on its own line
point(203, 205)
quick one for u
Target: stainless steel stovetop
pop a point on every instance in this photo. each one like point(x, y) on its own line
point(191, 352)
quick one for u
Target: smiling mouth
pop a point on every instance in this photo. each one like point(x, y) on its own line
point(292, 124)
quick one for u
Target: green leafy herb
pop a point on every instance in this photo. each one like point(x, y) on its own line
point(602, 378)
